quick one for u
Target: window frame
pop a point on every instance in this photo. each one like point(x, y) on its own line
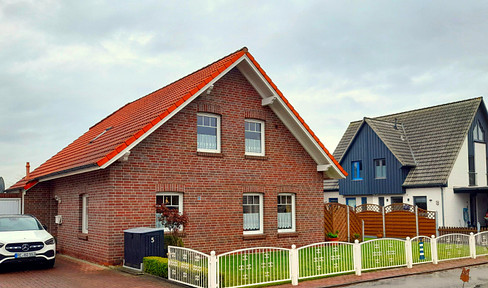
point(356, 172)
point(158, 223)
point(335, 200)
point(383, 168)
point(218, 149)
point(262, 153)
point(261, 216)
point(364, 200)
point(351, 199)
point(293, 213)
point(477, 132)
point(419, 197)
point(84, 213)
point(394, 199)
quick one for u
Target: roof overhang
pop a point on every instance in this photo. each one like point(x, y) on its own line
point(271, 97)
point(474, 189)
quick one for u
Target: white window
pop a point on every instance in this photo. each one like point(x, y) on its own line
point(84, 213)
point(286, 212)
point(252, 211)
point(172, 200)
point(254, 134)
point(208, 133)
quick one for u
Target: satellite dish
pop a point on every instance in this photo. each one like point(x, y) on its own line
point(2, 185)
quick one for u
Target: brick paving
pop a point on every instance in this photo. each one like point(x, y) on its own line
point(344, 280)
point(73, 273)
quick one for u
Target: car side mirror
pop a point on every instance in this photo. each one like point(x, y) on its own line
point(44, 226)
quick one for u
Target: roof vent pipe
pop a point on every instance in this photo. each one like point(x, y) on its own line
point(27, 170)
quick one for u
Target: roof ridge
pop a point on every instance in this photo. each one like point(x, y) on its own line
point(431, 107)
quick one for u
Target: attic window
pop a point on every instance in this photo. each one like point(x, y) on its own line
point(478, 133)
point(99, 135)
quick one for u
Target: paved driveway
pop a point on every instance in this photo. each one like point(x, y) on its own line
point(69, 272)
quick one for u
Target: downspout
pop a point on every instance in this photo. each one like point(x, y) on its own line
point(23, 194)
point(442, 201)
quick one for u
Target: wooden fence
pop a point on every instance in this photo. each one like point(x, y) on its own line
point(461, 230)
point(342, 218)
point(397, 221)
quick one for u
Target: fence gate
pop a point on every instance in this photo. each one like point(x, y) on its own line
point(188, 266)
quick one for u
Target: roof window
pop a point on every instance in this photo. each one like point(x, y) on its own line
point(100, 135)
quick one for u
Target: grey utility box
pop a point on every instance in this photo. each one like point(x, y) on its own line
point(141, 242)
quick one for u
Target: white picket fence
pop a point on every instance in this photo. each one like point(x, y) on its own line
point(254, 266)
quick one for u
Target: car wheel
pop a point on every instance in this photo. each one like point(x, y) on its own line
point(50, 263)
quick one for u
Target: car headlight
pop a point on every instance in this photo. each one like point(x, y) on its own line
point(49, 241)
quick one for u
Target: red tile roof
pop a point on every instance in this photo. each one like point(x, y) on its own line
point(126, 125)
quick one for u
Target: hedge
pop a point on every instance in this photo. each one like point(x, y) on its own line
point(156, 266)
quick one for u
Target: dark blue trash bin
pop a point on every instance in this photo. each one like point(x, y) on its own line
point(141, 242)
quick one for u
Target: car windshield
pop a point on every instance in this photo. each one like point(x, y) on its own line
point(19, 224)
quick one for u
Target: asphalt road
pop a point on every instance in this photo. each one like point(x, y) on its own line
point(449, 278)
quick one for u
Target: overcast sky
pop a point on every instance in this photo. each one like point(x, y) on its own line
point(65, 65)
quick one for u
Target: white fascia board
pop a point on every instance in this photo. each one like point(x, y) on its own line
point(257, 80)
point(173, 113)
point(323, 168)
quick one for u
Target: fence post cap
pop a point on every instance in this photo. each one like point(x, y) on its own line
point(293, 246)
point(408, 238)
point(356, 241)
point(212, 253)
point(433, 236)
point(471, 233)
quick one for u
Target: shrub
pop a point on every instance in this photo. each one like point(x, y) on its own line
point(156, 266)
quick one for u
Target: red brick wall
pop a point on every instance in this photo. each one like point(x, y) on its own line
point(169, 156)
point(123, 195)
point(39, 201)
point(10, 195)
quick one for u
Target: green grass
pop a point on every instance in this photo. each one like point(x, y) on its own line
point(328, 259)
point(249, 268)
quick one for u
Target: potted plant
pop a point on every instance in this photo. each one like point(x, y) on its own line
point(333, 236)
point(356, 236)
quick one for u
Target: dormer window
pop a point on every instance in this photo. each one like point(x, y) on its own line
point(478, 133)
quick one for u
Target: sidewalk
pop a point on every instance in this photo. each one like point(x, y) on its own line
point(344, 280)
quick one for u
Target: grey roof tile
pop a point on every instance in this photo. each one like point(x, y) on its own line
point(434, 136)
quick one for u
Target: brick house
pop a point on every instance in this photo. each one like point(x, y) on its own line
point(221, 144)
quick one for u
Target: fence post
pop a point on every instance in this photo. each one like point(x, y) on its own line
point(357, 257)
point(383, 215)
point(417, 220)
point(436, 225)
point(363, 229)
point(294, 265)
point(472, 245)
point(348, 226)
point(212, 270)
point(433, 248)
point(408, 252)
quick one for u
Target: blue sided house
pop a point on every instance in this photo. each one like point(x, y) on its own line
point(435, 158)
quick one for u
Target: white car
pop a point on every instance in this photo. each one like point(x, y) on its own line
point(24, 239)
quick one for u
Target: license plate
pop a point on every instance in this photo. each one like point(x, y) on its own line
point(25, 254)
